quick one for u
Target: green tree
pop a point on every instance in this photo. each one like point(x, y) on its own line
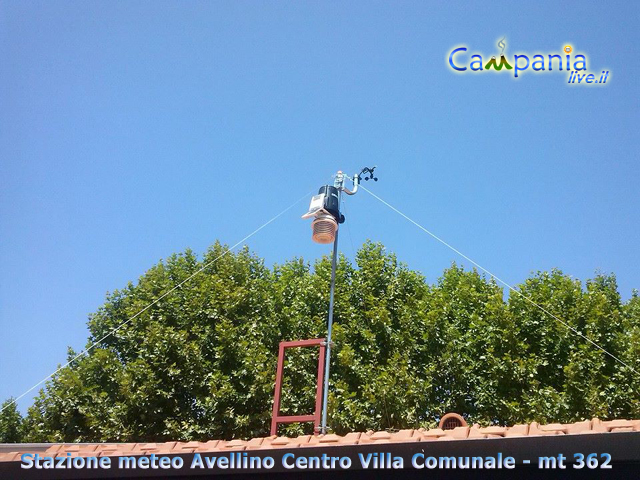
point(10, 423)
point(200, 363)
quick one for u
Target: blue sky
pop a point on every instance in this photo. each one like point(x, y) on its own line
point(133, 130)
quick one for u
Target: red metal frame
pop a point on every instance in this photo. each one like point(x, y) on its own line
point(315, 417)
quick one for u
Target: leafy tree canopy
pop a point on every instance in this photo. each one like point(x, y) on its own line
point(10, 422)
point(201, 362)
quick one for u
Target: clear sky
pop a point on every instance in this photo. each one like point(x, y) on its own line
point(133, 130)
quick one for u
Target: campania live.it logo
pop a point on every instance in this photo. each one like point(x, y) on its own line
point(575, 65)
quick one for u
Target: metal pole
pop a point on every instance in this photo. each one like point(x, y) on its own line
point(323, 427)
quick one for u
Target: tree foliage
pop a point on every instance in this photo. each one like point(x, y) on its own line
point(10, 422)
point(201, 362)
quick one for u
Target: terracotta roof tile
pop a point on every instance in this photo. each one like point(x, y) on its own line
point(117, 452)
point(403, 435)
point(53, 449)
point(598, 426)
point(210, 446)
point(536, 429)
point(594, 426)
point(620, 424)
point(458, 433)
point(578, 427)
point(378, 437)
point(521, 430)
point(329, 438)
point(303, 440)
point(352, 438)
point(433, 433)
point(256, 443)
point(314, 440)
point(554, 427)
point(622, 429)
point(10, 457)
point(277, 442)
point(407, 435)
point(231, 445)
point(494, 431)
point(149, 448)
point(474, 432)
point(76, 450)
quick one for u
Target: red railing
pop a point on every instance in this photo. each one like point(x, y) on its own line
point(314, 417)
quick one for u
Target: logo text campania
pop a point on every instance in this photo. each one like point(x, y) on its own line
point(575, 65)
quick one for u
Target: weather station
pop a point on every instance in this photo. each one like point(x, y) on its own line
point(324, 209)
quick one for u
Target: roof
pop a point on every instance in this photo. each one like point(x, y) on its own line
point(534, 429)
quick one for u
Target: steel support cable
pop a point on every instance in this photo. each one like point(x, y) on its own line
point(114, 330)
point(513, 289)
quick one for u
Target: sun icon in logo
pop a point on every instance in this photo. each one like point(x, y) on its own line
point(567, 49)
